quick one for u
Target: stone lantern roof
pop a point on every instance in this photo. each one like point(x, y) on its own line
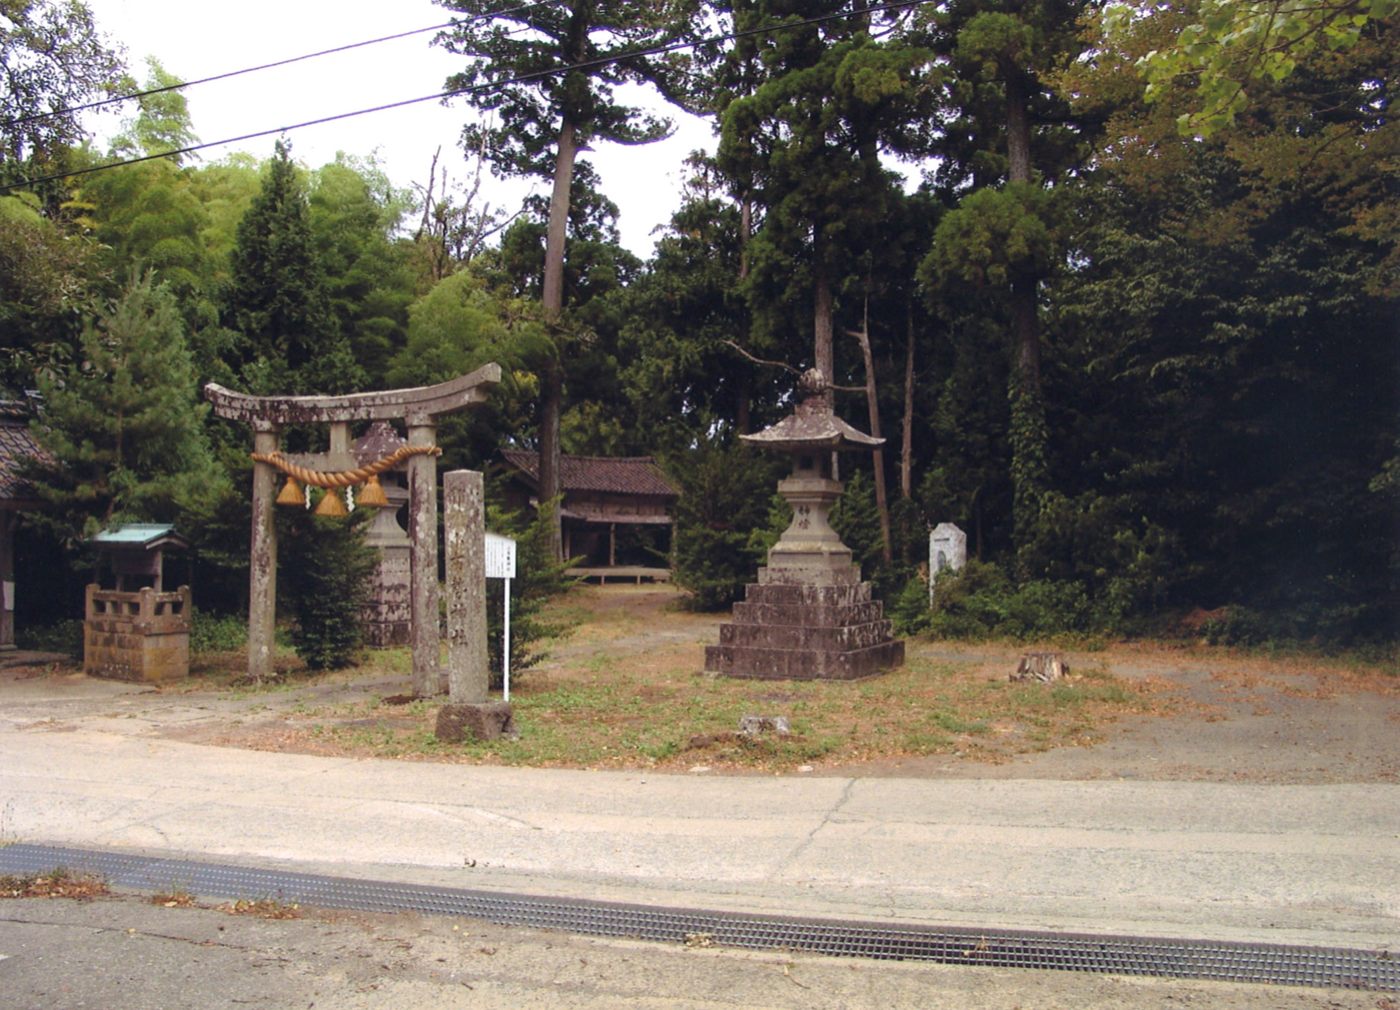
point(379, 441)
point(813, 424)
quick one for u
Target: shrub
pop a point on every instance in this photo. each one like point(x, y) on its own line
point(726, 495)
point(327, 571)
point(909, 609)
point(981, 601)
point(857, 520)
point(217, 632)
point(61, 636)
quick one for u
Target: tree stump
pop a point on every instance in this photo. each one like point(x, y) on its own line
point(1045, 667)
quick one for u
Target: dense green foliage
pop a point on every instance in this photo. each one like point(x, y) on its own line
point(721, 520)
point(122, 429)
point(326, 569)
point(1152, 374)
point(278, 301)
point(53, 59)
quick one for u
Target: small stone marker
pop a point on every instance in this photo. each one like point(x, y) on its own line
point(464, 723)
point(1042, 666)
point(947, 551)
point(757, 725)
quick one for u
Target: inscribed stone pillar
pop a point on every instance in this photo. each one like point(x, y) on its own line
point(947, 551)
point(422, 529)
point(464, 525)
point(262, 566)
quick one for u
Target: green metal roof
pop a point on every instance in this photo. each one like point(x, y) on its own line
point(145, 535)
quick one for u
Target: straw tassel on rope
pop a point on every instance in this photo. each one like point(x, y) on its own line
point(344, 478)
point(334, 480)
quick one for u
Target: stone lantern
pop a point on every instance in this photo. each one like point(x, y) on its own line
point(388, 614)
point(809, 617)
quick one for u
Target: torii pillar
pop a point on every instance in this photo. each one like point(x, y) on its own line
point(419, 409)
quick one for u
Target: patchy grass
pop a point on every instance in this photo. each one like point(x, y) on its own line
point(59, 882)
point(626, 690)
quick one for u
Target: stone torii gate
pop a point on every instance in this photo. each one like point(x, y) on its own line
point(419, 408)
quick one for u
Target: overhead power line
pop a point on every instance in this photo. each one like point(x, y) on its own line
point(507, 82)
point(117, 99)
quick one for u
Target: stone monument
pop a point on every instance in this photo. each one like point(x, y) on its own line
point(947, 551)
point(469, 714)
point(809, 617)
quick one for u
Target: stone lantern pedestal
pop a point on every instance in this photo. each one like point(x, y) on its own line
point(809, 616)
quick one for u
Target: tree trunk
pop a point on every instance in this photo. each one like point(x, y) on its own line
point(906, 446)
point(1018, 130)
point(552, 374)
point(743, 417)
point(559, 221)
point(823, 354)
point(743, 393)
point(745, 233)
point(1029, 433)
point(872, 402)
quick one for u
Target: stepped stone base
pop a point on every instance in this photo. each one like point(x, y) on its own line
point(791, 631)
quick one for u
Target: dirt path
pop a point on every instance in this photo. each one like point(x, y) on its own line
point(1240, 718)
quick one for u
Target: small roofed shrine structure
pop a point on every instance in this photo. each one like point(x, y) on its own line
point(17, 447)
point(809, 616)
point(419, 409)
point(136, 630)
point(602, 496)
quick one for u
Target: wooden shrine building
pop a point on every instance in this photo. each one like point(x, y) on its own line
point(17, 447)
point(615, 513)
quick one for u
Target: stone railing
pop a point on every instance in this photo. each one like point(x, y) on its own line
point(141, 636)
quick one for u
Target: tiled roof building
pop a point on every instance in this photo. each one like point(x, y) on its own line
point(17, 446)
point(600, 495)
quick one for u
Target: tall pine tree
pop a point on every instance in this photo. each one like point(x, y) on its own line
point(289, 339)
point(1006, 133)
point(547, 73)
point(123, 426)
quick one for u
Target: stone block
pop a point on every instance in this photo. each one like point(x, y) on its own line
point(822, 615)
point(756, 663)
point(470, 723)
point(840, 638)
point(758, 725)
point(791, 630)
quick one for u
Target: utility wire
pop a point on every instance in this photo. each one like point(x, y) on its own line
point(35, 116)
point(601, 61)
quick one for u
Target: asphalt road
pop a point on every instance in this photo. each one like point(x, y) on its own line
point(1301, 864)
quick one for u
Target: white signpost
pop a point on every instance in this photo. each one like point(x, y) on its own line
point(500, 564)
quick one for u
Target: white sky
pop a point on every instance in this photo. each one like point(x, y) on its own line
point(200, 39)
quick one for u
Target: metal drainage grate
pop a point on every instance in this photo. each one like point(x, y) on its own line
point(1000, 948)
